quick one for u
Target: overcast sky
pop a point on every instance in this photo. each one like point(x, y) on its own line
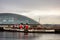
point(47, 10)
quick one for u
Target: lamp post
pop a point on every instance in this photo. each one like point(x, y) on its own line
point(39, 19)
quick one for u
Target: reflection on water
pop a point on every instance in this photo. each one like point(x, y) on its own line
point(28, 36)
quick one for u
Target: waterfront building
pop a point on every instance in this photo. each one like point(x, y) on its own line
point(10, 19)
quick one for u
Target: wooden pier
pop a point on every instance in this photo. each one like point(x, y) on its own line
point(31, 31)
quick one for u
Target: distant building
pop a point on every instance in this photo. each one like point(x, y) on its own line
point(9, 19)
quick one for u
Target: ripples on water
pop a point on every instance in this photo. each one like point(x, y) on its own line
point(28, 36)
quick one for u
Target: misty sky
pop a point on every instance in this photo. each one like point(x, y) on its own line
point(47, 10)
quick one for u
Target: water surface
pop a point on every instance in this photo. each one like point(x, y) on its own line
point(28, 36)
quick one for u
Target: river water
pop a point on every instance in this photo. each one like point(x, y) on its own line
point(28, 36)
